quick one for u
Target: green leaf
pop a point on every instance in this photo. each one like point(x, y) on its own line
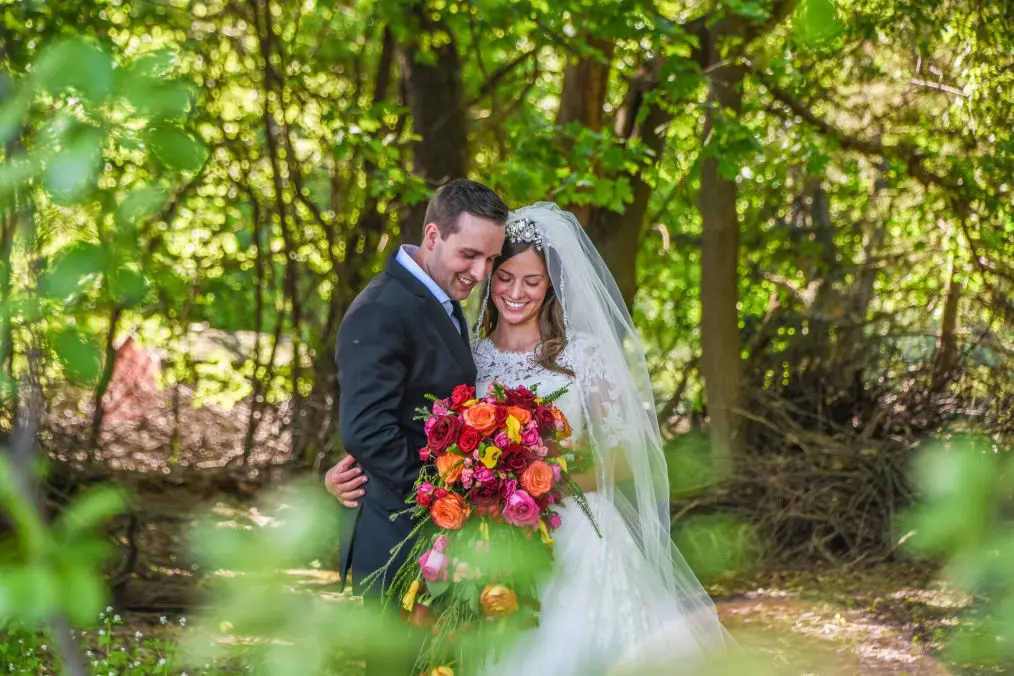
point(435, 589)
point(817, 21)
point(30, 593)
point(139, 204)
point(128, 286)
point(77, 66)
point(91, 510)
point(71, 269)
point(79, 355)
point(72, 171)
point(84, 593)
point(177, 149)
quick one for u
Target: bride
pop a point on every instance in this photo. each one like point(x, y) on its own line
point(621, 599)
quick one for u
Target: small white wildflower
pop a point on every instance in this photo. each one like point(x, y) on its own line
point(44, 647)
point(161, 662)
point(90, 654)
point(109, 609)
point(116, 618)
point(112, 673)
point(102, 632)
point(163, 620)
point(183, 623)
point(183, 674)
point(138, 634)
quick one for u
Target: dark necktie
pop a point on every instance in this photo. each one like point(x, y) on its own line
point(460, 316)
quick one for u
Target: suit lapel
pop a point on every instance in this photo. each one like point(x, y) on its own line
point(436, 315)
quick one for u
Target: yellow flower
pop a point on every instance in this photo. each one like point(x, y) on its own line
point(513, 429)
point(408, 600)
point(470, 402)
point(498, 601)
point(484, 529)
point(442, 670)
point(545, 534)
point(490, 456)
point(562, 462)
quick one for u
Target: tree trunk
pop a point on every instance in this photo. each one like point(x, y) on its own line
point(434, 94)
point(721, 360)
point(947, 347)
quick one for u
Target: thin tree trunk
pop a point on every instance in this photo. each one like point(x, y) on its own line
point(720, 232)
point(434, 94)
point(99, 412)
point(947, 347)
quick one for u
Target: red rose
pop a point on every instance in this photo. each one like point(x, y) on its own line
point(521, 397)
point(501, 413)
point(544, 418)
point(424, 494)
point(468, 439)
point(515, 458)
point(461, 394)
point(486, 494)
point(443, 433)
point(439, 493)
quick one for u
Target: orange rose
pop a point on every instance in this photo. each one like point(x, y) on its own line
point(537, 479)
point(523, 415)
point(482, 417)
point(449, 512)
point(563, 428)
point(498, 601)
point(449, 466)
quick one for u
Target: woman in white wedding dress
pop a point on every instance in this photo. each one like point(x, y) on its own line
point(621, 599)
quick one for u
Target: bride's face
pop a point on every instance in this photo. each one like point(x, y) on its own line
point(519, 286)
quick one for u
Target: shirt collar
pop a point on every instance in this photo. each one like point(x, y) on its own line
point(405, 258)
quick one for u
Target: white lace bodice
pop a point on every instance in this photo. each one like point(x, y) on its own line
point(588, 388)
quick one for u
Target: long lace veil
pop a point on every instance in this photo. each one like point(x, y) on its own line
point(620, 407)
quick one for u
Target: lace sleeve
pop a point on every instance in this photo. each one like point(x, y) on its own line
point(602, 408)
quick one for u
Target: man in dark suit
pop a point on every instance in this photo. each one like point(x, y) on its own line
point(403, 337)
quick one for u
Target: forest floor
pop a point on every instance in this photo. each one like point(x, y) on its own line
point(890, 618)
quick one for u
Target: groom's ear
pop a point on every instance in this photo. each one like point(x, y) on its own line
point(431, 233)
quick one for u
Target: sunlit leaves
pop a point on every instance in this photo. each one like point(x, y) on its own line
point(55, 571)
point(71, 269)
point(79, 355)
point(77, 66)
point(177, 148)
point(816, 22)
point(71, 172)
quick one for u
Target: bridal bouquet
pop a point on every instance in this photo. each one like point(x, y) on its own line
point(494, 468)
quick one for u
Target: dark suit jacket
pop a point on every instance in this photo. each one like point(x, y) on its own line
point(396, 344)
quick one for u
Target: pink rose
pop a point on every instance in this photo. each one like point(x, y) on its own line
point(428, 425)
point(530, 437)
point(483, 474)
point(424, 453)
point(424, 494)
point(557, 473)
point(521, 510)
point(554, 520)
point(434, 565)
point(540, 449)
point(501, 440)
point(467, 477)
point(441, 543)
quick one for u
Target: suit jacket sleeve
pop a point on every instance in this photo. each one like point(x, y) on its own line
point(373, 367)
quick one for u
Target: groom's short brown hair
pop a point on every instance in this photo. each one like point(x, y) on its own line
point(461, 195)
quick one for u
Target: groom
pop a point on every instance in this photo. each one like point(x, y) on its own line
point(404, 337)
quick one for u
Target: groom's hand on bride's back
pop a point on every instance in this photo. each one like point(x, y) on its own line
point(345, 481)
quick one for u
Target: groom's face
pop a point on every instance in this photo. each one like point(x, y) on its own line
point(459, 263)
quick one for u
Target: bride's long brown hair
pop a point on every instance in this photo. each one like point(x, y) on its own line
point(552, 331)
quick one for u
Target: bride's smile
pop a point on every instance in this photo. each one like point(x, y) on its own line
point(518, 288)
